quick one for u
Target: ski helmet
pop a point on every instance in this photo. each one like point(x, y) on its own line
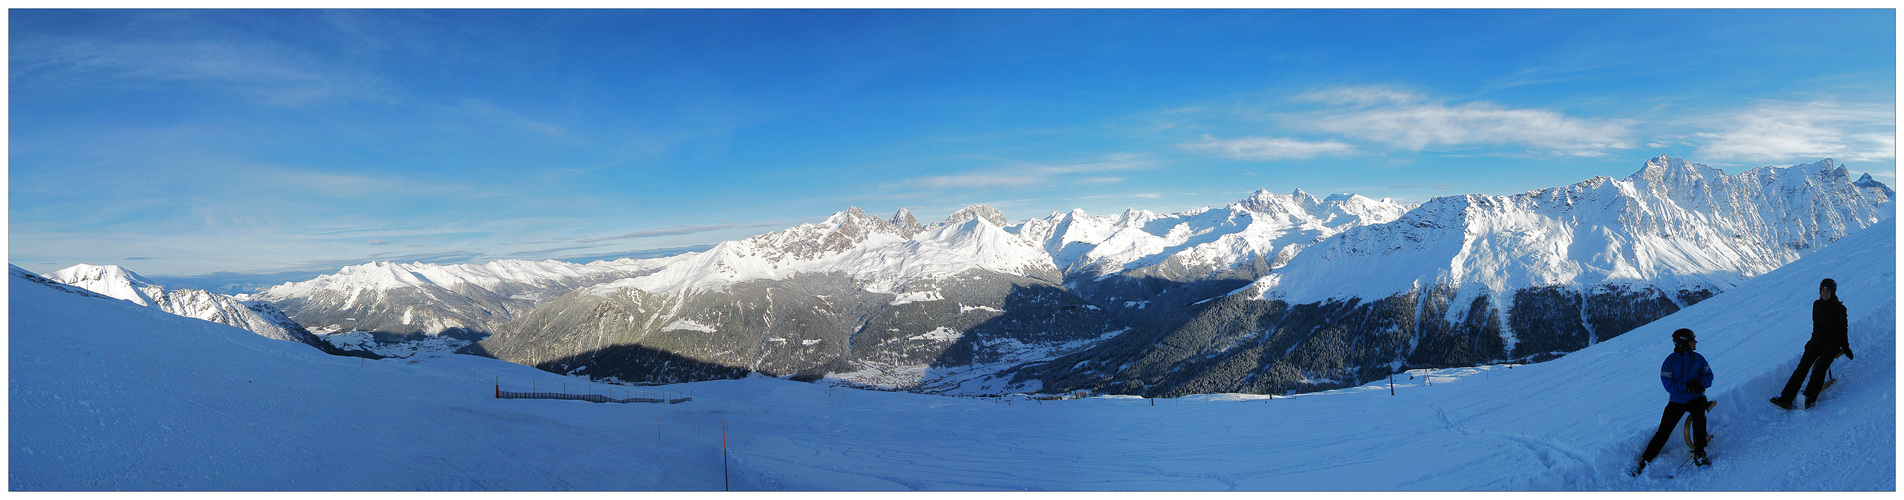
point(1682, 336)
point(1828, 284)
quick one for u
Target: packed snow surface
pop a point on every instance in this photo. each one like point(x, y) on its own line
point(106, 395)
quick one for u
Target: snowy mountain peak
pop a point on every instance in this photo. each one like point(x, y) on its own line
point(1338, 210)
point(906, 223)
point(377, 275)
point(840, 232)
point(1263, 201)
point(112, 281)
point(1304, 198)
point(1866, 182)
point(985, 212)
point(1674, 171)
point(123, 284)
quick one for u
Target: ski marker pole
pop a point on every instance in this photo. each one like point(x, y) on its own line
point(724, 456)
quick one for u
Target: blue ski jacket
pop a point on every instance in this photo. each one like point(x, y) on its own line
point(1682, 367)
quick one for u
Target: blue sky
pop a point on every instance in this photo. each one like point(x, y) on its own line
point(184, 143)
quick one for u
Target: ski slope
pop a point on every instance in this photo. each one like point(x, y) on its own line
point(106, 395)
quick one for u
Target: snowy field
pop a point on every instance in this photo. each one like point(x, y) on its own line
point(105, 395)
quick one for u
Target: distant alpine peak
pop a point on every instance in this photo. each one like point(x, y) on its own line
point(1330, 211)
point(851, 215)
point(1866, 182)
point(1340, 197)
point(838, 233)
point(386, 275)
point(88, 272)
point(983, 212)
point(906, 223)
point(123, 284)
point(114, 281)
point(1673, 171)
point(1264, 201)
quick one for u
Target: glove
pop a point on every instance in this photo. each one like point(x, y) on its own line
point(1693, 386)
point(1847, 351)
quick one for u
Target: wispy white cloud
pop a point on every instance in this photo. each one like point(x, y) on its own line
point(1353, 120)
point(264, 71)
point(1269, 148)
point(676, 231)
point(976, 180)
point(1360, 96)
point(1777, 132)
point(490, 112)
point(1419, 125)
point(1025, 174)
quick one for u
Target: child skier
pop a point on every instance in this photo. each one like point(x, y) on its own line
point(1686, 377)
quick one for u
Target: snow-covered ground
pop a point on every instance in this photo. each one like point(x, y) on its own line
point(105, 395)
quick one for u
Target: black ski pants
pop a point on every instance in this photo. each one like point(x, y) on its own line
point(1670, 419)
point(1817, 360)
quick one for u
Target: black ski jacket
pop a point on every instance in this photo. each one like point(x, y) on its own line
point(1828, 326)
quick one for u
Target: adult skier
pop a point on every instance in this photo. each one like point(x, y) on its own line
point(1828, 340)
point(1686, 377)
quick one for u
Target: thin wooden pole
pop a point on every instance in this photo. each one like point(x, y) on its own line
point(724, 456)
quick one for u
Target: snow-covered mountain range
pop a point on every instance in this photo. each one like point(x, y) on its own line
point(1269, 294)
point(94, 404)
point(891, 302)
point(258, 317)
point(1673, 224)
point(1466, 280)
point(462, 300)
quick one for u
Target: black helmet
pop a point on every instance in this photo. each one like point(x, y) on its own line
point(1682, 335)
point(1828, 284)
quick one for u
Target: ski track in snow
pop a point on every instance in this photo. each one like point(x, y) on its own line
point(104, 395)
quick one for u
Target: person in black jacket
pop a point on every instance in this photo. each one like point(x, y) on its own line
point(1828, 340)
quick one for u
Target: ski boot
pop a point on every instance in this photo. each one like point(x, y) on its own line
point(1637, 469)
point(1782, 403)
point(1699, 459)
point(1807, 403)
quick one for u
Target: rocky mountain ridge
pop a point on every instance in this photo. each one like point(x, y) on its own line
point(1268, 294)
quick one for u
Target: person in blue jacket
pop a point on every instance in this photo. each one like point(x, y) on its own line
point(1686, 377)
